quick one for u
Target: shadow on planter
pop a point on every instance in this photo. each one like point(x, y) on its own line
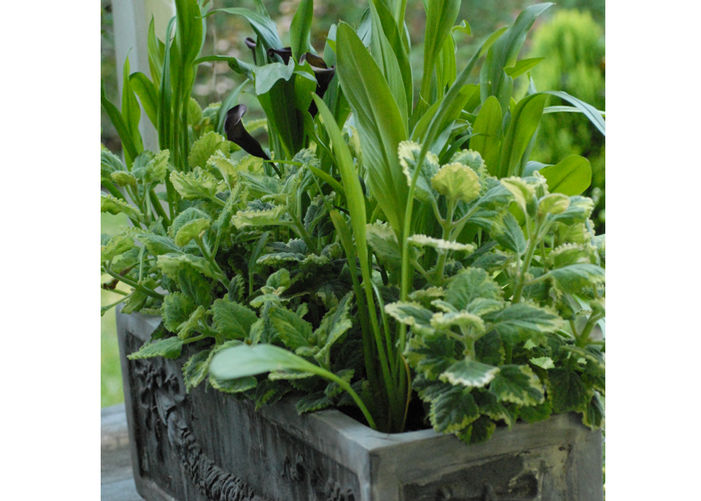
point(207, 445)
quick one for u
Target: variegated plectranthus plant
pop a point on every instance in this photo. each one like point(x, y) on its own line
point(386, 247)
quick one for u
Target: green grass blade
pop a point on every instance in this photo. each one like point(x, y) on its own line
point(594, 115)
point(155, 53)
point(383, 20)
point(189, 30)
point(522, 128)
point(487, 133)
point(131, 112)
point(115, 117)
point(380, 125)
point(301, 28)
point(356, 207)
point(440, 18)
point(148, 95)
point(165, 140)
point(262, 24)
point(494, 80)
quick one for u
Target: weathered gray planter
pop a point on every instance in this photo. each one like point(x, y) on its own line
point(209, 446)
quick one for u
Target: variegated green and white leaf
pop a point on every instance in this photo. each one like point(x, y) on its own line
point(593, 416)
point(409, 152)
point(232, 319)
point(176, 309)
point(575, 277)
point(479, 431)
point(522, 191)
point(188, 327)
point(509, 234)
point(473, 323)
point(233, 386)
point(113, 205)
point(468, 285)
point(195, 370)
point(472, 159)
point(109, 162)
point(334, 324)
point(569, 253)
point(412, 314)
point(277, 283)
point(171, 264)
point(453, 409)
point(456, 181)
point(154, 170)
point(183, 218)
point(313, 402)
point(517, 384)
point(383, 242)
point(191, 230)
point(469, 373)
point(578, 211)
point(123, 178)
point(444, 306)
point(169, 347)
point(440, 244)
point(226, 167)
point(566, 391)
point(116, 245)
point(553, 203)
point(484, 306)
point(518, 321)
point(542, 362)
point(196, 184)
point(204, 147)
point(273, 216)
point(158, 244)
point(431, 354)
point(425, 296)
point(490, 406)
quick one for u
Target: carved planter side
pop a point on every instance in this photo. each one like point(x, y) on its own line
point(207, 446)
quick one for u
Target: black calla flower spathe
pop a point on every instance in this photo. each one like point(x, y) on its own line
point(237, 133)
point(251, 44)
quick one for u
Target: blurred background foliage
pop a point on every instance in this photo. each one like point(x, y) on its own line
point(573, 44)
point(570, 35)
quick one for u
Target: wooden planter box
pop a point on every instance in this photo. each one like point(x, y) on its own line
point(206, 446)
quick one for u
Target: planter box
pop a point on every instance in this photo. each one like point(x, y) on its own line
point(206, 445)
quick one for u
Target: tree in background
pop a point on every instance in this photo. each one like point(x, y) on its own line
point(574, 45)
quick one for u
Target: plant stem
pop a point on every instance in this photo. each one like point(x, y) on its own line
point(136, 285)
point(583, 338)
point(443, 256)
point(356, 398)
point(205, 251)
point(530, 250)
point(113, 190)
point(156, 203)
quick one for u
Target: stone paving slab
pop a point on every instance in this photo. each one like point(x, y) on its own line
point(117, 477)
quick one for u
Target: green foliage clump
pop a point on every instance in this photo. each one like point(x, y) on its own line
point(385, 244)
point(573, 46)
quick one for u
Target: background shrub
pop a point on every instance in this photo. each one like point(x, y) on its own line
point(574, 45)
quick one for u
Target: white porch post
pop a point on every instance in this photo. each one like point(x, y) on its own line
point(131, 20)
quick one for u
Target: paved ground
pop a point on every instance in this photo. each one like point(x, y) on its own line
point(117, 479)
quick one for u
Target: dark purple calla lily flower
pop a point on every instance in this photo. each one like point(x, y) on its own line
point(237, 133)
